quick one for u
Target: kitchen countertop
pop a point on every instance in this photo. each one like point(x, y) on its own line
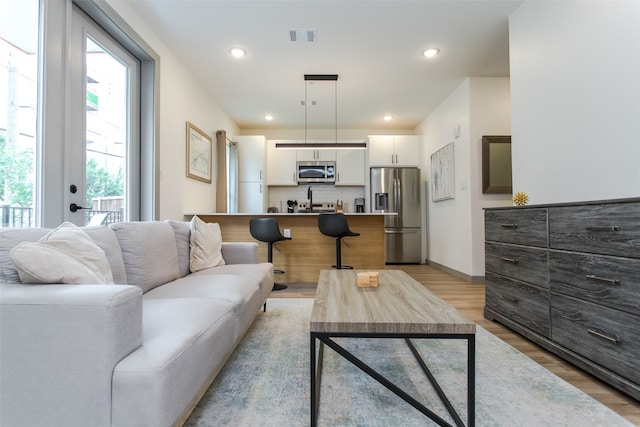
point(190, 215)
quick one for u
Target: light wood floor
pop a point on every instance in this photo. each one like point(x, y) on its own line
point(469, 299)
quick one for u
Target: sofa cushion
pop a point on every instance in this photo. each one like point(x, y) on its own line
point(261, 273)
point(10, 238)
point(242, 292)
point(149, 252)
point(185, 341)
point(182, 230)
point(106, 240)
point(206, 245)
point(64, 255)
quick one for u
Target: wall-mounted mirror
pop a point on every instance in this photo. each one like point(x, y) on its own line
point(496, 164)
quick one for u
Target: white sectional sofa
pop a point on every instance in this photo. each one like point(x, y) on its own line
point(140, 352)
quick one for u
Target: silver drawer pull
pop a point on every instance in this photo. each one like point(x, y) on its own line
point(604, 228)
point(603, 336)
point(511, 260)
point(509, 225)
point(602, 279)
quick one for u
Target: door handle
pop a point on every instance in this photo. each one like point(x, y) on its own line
point(74, 208)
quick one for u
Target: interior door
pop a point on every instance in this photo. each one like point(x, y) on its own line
point(103, 148)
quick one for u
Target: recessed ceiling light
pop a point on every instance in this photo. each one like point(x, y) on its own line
point(430, 53)
point(388, 117)
point(268, 117)
point(236, 52)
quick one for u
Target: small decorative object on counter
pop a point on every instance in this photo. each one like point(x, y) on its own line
point(520, 198)
point(368, 279)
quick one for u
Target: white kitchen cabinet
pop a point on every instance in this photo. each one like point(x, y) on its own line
point(309, 155)
point(281, 166)
point(251, 157)
point(251, 162)
point(394, 150)
point(350, 167)
point(250, 197)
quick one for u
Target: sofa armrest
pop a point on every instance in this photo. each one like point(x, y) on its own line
point(240, 252)
point(58, 349)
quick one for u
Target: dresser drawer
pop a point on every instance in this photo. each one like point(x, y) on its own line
point(519, 226)
point(605, 280)
point(524, 263)
point(520, 302)
point(610, 229)
point(608, 337)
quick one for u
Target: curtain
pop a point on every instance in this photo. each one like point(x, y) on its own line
point(232, 176)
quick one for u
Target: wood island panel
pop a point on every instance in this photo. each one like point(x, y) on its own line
point(310, 251)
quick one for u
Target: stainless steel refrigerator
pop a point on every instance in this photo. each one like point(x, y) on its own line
point(398, 190)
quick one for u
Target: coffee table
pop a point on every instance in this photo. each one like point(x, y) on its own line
point(399, 307)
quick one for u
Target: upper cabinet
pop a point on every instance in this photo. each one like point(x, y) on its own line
point(350, 167)
point(394, 150)
point(251, 157)
point(309, 155)
point(281, 166)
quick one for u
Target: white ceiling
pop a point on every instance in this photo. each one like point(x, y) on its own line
point(374, 46)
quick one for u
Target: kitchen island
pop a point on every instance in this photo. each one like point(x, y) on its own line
point(309, 251)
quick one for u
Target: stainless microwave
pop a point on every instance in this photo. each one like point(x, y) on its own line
point(316, 172)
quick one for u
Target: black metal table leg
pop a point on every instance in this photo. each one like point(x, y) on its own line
point(471, 380)
point(325, 338)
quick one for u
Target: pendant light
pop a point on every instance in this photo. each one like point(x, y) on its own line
point(309, 79)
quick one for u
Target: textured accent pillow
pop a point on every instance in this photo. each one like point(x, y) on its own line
point(206, 245)
point(64, 255)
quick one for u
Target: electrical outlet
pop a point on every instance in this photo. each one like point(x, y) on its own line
point(287, 232)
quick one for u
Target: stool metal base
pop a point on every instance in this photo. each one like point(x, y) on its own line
point(342, 267)
point(278, 287)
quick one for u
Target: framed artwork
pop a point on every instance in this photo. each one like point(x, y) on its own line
point(443, 174)
point(199, 151)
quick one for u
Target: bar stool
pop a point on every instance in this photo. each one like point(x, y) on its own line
point(267, 230)
point(335, 225)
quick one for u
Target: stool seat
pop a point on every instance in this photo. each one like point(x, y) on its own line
point(335, 225)
point(267, 230)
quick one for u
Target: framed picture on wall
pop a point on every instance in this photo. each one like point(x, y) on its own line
point(199, 154)
point(443, 174)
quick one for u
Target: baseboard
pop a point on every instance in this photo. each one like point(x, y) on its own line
point(458, 274)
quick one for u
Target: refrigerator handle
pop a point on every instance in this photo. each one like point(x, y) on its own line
point(396, 195)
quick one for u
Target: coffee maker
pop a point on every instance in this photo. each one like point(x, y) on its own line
point(291, 206)
point(359, 203)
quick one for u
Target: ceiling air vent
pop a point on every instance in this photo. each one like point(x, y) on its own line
point(302, 36)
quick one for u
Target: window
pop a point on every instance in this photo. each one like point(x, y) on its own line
point(18, 109)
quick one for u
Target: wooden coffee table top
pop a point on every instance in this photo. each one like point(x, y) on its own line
point(398, 305)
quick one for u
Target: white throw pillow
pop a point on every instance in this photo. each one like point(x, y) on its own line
point(206, 245)
point(64, 255)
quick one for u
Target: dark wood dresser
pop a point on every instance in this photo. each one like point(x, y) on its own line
point(567, 277)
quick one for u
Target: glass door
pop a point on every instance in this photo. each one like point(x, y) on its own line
point(103, 151)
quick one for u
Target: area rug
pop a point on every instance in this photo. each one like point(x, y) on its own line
point(266, 382)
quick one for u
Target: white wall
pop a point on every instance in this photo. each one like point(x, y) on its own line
point(490, 114)
point(181, 99)
point(448, 222)
point(455, 228)
point(575, 91)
